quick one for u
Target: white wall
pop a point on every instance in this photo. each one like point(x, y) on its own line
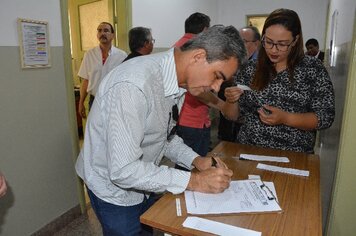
point(34, 10)
point(346, 9)
point(166, 18)
point(311, 13)
point(36, 141)
point(342, 210)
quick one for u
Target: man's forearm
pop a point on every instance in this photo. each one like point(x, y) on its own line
point(229, 110)
point(83, 90)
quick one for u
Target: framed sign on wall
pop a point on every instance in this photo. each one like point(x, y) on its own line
point(34, 43)
point(257, 21)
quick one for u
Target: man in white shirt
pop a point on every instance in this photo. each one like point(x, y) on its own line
point(131, 127)
point(97, 63)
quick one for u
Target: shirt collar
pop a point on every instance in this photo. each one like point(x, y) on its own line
point(316, 56)
point(110, 51)
point(170, 79)
point(189, 35)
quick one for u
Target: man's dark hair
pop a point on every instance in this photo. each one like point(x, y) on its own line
point(111, 27)
point(256, 33)
point(138, 36)
point(196, 23)
point(313, 42)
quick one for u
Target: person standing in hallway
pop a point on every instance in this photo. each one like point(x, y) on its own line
point(291, 94)
point(252, 40)
point(140, 42)
point(194, 121)
point(97, 63)
point(228, 129)
point(3, 186)
point(312, 46)
point(130, 129)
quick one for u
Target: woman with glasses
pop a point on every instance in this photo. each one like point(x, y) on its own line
point(291, 94)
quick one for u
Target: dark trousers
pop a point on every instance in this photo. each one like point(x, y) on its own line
point(91, 100)
point(196, 138)
point(121, 220)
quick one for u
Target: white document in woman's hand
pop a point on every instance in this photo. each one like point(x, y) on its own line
point(243, 87)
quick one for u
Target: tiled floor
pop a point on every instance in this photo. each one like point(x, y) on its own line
point(86, 225)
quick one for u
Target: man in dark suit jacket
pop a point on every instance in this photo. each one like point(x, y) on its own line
point(312, 46)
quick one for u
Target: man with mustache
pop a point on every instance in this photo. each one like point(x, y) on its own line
point(97, 63)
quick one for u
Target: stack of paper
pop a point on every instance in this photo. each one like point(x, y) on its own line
point(242, 196)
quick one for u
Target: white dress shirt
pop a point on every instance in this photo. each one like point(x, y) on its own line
point(92, 67)
point(126, 133)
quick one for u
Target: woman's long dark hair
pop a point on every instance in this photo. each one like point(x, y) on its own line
point(265, 70)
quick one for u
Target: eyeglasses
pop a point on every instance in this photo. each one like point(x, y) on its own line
point(279, 46)
point(153, 41)
point(270, 195)
point(172, 115)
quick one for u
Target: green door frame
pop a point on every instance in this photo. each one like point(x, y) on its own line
point(122, 19)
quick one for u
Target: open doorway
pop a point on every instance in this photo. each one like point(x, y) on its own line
point(83, 18)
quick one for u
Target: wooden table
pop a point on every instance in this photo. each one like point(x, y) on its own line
point(299, 197)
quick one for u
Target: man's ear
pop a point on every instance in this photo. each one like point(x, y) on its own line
point(199, 54)
point(146, 44)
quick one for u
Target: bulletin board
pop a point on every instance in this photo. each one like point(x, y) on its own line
point(34, 43)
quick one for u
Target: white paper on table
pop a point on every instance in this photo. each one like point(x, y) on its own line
point(291, 171)
point(254, 177)
point(217, 227)
point(241, 196)
point(252, 157)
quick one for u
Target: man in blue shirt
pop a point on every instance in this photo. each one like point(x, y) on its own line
point(252, 40)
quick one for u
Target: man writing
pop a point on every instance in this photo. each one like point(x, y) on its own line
point(97, 63)
point(130, 129)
